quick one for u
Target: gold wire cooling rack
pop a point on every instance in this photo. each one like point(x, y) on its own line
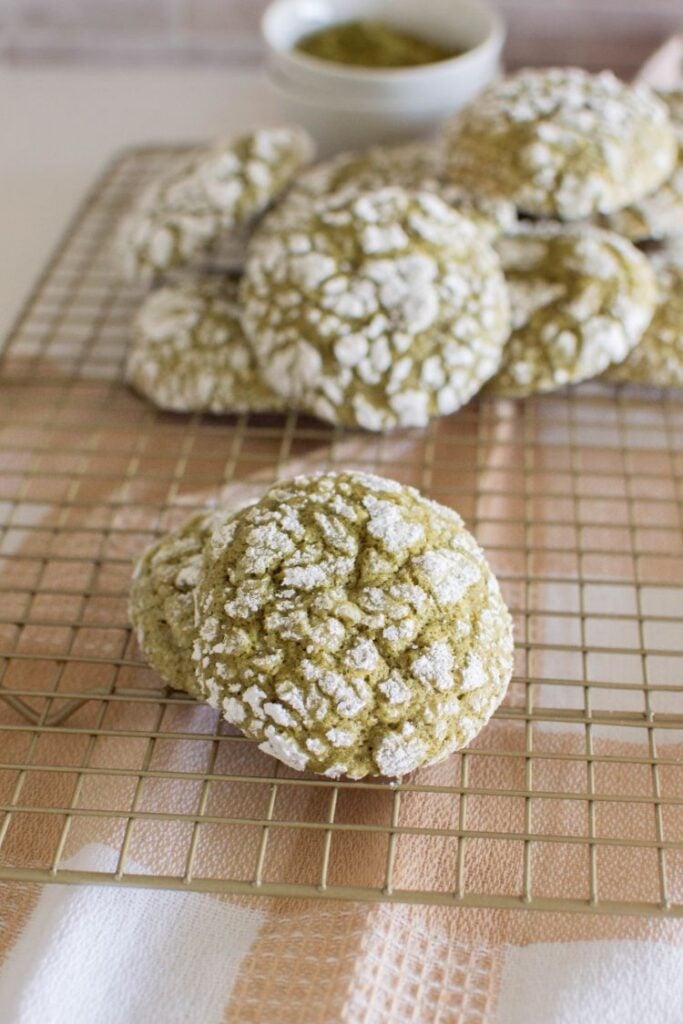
point(571, 798)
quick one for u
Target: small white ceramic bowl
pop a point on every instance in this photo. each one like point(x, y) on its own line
point(347, 107)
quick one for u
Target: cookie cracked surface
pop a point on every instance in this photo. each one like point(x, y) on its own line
point(205, 192)
point(351, 627)
point(659, 215)
point(581, 299)
point(417, 165)
point(189, 352)
point(561, 142)
point(374, 309)
point(657, 359)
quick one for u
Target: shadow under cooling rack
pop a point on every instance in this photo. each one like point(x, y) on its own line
point(570, 799)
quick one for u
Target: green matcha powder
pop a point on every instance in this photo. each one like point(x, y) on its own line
point(371, 44)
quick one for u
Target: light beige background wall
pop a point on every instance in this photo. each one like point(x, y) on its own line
point(616, 33)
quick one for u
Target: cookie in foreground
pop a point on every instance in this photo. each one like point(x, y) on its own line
point(351, 626)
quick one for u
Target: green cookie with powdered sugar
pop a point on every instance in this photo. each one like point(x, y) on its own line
point(205, 193)
point(561, 142)
point(581, 298)
point(413, 165)
point(374, 309)
point(162, 599)
point(189, 352)
point(658, 216)
point(674, 102)
point(351, 626)
point(657, 359)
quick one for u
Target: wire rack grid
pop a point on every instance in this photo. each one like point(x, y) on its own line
point(570, 799)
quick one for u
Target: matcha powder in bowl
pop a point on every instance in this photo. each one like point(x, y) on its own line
point(372, 44)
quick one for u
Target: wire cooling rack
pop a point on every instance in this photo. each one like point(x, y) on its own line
point(570, 799)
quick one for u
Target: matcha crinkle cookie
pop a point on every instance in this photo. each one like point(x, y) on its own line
point(561, 142)
point(413, 165)
point(581, 298)
point(206, 192)
point(659, 215)
point(374, 309)
point(673, 98)
point(351, 627)
point(189, 353)
point(657, 359)
point(162, 602)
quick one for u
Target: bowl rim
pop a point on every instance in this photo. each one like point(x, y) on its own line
point(495, 40)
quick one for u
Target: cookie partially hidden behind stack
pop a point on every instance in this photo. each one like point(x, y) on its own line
point(189, 353)
point(419, 165)
point(346, 623)
point(657, 360)
point(162, 599)
point(208, 192)
point(659, 215)
point(581, 298)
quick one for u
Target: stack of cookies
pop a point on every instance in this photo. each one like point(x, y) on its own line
point(536, 244)
point(344, 622)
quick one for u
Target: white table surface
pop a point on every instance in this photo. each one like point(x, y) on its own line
point(59, 126)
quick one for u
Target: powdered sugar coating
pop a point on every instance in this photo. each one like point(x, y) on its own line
point(368, 666)
point(374, 309)
point(418, 165)
point(658, 216)
point(657, 359)
point(581, 299)
point(560, 142)
point(207, 191)
point(189, 353)
point(162, 598)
